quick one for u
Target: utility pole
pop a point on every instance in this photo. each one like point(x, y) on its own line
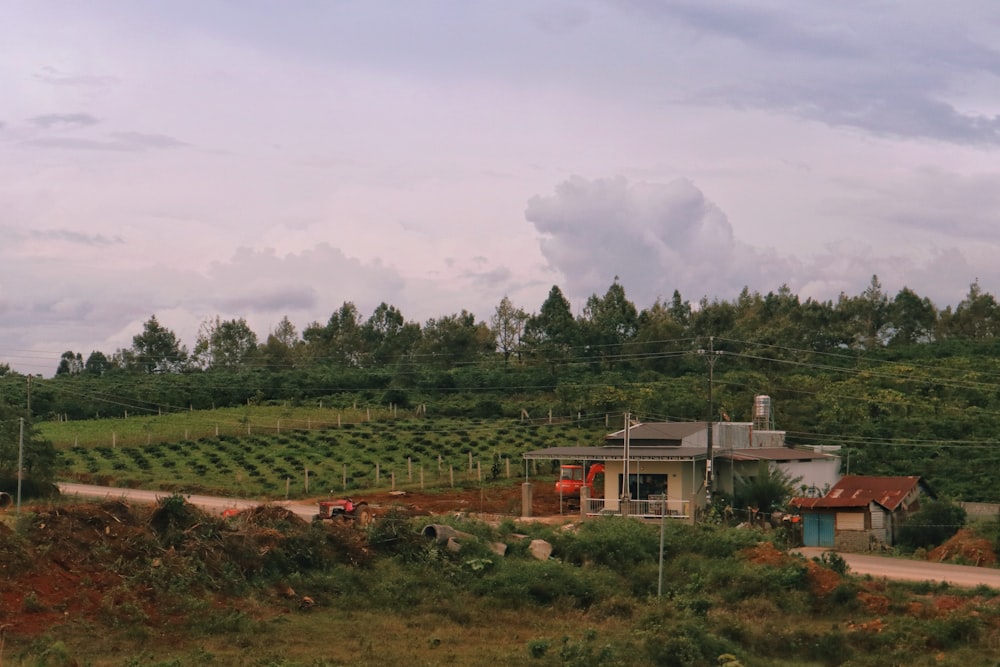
point(20, 466)
point(711, 356)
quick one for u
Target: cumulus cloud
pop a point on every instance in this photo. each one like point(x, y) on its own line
point(655, 237)
point(660, 237)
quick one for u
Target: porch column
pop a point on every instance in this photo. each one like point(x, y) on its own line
point(584, 497)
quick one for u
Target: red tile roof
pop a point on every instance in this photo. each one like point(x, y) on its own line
point(859, 491)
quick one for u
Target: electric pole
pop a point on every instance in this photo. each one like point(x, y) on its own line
point(20, 466)
point(710, 356)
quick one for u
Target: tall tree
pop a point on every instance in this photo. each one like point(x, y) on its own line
point(339, 340)
point(225, 344)
point(281, 348)
point(608, 323)
point(508, 326)
point(387, 336)
point(71, 363)
point(551, 334)
point(911, 319)
point(97, 364)
point(157, 349)
point(977, 316)
point(659, 337)
point(455, 339)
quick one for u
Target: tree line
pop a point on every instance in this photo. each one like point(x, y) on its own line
point(610, 331)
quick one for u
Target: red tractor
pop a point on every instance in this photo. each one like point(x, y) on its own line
point(572, 479)
point(345, 509)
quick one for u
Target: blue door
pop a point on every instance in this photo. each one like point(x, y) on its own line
point(817, 530)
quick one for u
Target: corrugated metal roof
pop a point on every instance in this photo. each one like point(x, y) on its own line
point(617, 453)
point(774, 454)
point(859, 491)
point(657, 431)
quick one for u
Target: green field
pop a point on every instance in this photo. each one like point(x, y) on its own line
point(265, 452)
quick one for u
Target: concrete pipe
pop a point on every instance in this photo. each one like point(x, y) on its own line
point(441, 533)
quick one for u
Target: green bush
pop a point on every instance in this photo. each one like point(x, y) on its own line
point(612, 542)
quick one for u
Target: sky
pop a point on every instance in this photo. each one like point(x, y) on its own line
point(194, 159)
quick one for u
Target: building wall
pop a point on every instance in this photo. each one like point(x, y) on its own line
point(876, 534)
point(818, 474)
point(683, 478)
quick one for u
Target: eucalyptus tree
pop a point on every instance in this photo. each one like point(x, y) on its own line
point(70, 363)
point(507, 325)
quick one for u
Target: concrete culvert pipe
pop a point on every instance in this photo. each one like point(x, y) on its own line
point(5, 500)
point(441, 533)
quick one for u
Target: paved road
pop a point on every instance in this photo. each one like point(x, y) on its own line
point(208, 503)
point(914, 570)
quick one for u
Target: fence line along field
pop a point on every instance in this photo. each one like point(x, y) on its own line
point(279, 452)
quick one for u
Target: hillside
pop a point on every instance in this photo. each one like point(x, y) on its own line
point(110, 584)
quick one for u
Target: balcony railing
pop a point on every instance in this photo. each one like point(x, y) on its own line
point(650, 508)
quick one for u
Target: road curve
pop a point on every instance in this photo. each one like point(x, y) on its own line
point(901, 569)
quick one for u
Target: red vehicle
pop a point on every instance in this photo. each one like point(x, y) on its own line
point(572, 479)
point(344, 509)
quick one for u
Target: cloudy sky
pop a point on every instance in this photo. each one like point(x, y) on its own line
point(193, 159)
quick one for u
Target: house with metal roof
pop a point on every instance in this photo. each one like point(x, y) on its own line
point(659, 468)
point(861, 513)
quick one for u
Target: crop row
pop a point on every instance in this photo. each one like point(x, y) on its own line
point(357, 456)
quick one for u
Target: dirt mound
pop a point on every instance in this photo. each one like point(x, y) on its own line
point(966, 548)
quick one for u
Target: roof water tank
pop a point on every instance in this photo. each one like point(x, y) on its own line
point(762, 412)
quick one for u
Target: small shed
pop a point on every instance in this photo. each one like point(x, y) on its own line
point(860, 513)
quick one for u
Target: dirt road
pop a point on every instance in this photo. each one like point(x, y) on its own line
point(207, 503)
point(901, 569)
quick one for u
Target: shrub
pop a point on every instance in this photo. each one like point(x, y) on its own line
point(613, 542)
